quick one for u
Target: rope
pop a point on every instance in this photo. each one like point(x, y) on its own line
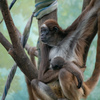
point(12, 3)
point(9, 80)
point(43, 7)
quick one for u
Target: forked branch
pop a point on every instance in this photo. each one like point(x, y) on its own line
point(19, 54)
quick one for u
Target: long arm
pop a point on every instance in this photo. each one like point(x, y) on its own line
point(72, 68)
point(75, 24)
point(45, 74)
point(92, 81)
point(87, 28)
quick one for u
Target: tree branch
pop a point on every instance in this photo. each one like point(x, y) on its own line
point(9, 23)
point(18, 52)
point(5, 42)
